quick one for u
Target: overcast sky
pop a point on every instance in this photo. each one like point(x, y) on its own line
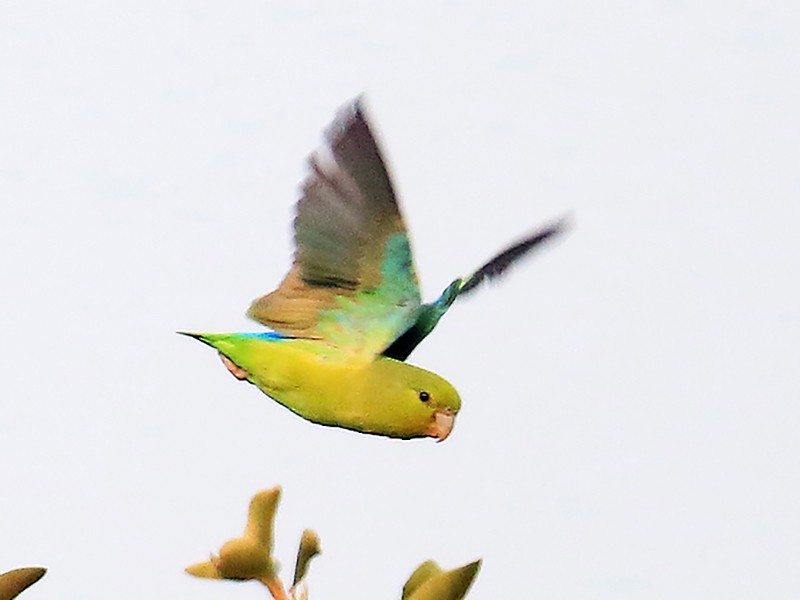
point(631, 397)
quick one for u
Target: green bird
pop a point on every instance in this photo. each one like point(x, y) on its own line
point(348, 313)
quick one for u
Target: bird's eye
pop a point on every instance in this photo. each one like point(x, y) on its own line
point(424, 396)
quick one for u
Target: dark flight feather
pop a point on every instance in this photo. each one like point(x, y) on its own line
point(500, 263)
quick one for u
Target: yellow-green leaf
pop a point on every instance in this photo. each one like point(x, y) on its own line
point(444, 585)
point(261, 515)
point(423, 572)
point(309, 548)
point(13, 582)
point(249, 556)
point(207, 570)
point(244, 558)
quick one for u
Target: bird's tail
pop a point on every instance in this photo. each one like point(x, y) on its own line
point(206, 338)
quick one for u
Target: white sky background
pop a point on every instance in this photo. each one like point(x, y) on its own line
point(631, 395)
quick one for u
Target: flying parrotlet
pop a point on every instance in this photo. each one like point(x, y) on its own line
point(348, 313)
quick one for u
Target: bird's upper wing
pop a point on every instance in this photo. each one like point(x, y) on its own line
point(352, 282)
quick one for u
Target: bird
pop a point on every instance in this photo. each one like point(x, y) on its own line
point(349, 312)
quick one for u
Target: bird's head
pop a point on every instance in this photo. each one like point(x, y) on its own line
point(443, 402)
point(433, 400)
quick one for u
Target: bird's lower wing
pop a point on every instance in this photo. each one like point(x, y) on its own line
point(429, 314)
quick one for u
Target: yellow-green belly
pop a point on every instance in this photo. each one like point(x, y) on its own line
point(323, 386)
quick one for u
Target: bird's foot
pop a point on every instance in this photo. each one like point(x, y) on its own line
point(235, 369)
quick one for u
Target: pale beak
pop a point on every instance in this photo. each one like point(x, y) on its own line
point(442, 424)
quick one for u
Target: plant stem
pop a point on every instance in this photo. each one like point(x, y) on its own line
point(275, 587)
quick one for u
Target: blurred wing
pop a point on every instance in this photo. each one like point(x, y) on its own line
point(353, 282)
point(500, 263)
point(429, 314)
